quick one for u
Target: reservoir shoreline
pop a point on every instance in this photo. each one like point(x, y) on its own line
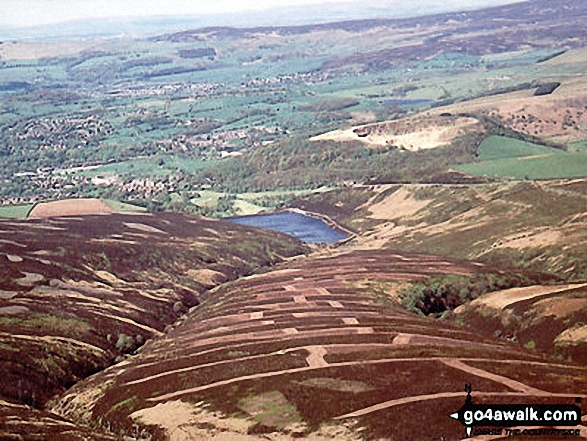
point(326, 220)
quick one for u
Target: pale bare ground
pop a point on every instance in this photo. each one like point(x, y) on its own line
point(186, 422)
point(7, 295)
point(11, 242)
point(152, 331)
point(502, 299)
point(122, 307)
point(34, 51)
point(13, 310)
point(30, 279)
point(420, 339)
point(110, 278)
point(115, 241)
point(570, 57)
point(316, 356)
point(376, 190)
point(531, 239)
point(182, 422)
point(423, 131)
point(400, 204)
point(14, 259)
point(207, 277)
point(55, 340)
point(559, 307)
point(574, 335)
point(79, 405)
point(70, 207)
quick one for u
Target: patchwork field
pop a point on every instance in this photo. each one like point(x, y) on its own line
point(306, 351)
point(68, 207)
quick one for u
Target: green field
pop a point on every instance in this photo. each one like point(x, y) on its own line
point(511, 158)
point(22, 211)
point(501, 147)
point(16, 211)
point(157, 165)
point(251, 202)
point(122, 207)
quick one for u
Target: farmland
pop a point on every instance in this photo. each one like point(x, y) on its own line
point(511, 158)
point(158, 119)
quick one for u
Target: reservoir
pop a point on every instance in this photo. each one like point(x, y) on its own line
point(305, 228)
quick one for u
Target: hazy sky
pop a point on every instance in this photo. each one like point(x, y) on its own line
point(35, 12)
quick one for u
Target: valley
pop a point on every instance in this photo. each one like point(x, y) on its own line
point(156, 121)
point(443, 157)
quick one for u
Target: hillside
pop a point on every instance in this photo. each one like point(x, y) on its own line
point(450, 149)
point(308, 350)
point(550, 319)
point(81, 293)
point(315, 347)
point(532, 225)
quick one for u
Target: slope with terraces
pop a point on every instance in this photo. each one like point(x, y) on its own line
point(308, 350)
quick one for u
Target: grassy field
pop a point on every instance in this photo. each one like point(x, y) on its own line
point(500, 147)
point(550, 166)
point(251, 202)
point(23, 211)
point(122, 207)
point(144, 167)
point(16, 211)
point(511, 158)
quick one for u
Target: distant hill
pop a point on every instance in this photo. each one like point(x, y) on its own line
point(106, 26)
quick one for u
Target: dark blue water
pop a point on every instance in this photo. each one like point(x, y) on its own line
point(305, 228)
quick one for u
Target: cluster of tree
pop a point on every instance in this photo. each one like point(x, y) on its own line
point(435, 296)
point(494, 126)
point(296, 162)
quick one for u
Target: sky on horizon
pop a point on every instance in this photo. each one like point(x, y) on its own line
point(23, 13)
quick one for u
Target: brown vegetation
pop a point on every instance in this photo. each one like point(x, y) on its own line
point(303, 348)
point(87, 291)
